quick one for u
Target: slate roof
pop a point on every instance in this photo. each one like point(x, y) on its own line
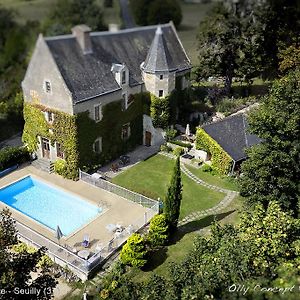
point(159, 57)
point(232, 135)
point(90, 75)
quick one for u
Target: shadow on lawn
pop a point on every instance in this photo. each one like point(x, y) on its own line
point(158, 257)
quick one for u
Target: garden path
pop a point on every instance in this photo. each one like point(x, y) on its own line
point(229, 196)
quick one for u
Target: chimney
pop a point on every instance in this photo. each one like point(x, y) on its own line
point(113, 27)
point(82, 34)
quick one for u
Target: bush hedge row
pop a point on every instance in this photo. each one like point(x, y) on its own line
point(11, 156)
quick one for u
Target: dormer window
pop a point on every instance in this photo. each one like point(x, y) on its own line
point(49, 116)
point(47, 86)
point(123, 77)
point(121, 73)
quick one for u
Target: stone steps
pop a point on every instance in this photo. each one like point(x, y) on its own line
point(44, 165)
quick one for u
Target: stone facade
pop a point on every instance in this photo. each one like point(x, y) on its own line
point(54, 84)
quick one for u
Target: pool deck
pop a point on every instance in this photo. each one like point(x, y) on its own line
point(116, 210)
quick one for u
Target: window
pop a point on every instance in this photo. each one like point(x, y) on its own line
point(49, 116)
point(48, 87)
point(59, 152)
point(130, 99)
point(98, 145)
point(123, 77)
point(126, 131)
point(160, 93)
point(161, 77)
point(97, 113)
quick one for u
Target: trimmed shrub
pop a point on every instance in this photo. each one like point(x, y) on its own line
point(165, 148)
point(170, 134)
point(134, 251)
point(182, 144)
point(158, 231)
point(206, 168)
point(60, 166)
point(178, 151)
point(11, 156)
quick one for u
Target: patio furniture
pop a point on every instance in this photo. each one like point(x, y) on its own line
point(84, 254)
point(86, 241)
point(124, 160)
point(115, 167)
point(111, 227)
point(99, 247)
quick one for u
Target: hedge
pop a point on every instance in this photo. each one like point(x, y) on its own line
point(182, 144)
point(11, 156)
point(221, 161)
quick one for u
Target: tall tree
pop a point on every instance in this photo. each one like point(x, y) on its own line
point(273, 168)
point(173, 198)
point(67, 13)
point(16, 268)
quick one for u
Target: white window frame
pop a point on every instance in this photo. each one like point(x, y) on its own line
point(99, 139)
point(100, 112)
point(45, 86)
point(128, 132)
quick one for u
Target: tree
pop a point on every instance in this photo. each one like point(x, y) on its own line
point(158, 231)
point(160, 12)
point(147, 12)
point(67, 13)
point(289, 59)
point(160, 111)
point(273, 170)
point(16, 268)
point(134, 251)
point(173, 198)
point(230, 44)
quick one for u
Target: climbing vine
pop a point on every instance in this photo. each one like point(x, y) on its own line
point(221, 161)
point(62, 130)
point(77, 134)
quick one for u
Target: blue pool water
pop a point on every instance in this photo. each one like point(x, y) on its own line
point(48, 205)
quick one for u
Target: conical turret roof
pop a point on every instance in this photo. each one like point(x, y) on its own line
point(159, 58)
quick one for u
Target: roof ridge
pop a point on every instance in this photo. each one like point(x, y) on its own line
point(245, 129)
point(107, 32)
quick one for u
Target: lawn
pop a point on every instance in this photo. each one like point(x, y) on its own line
point(152, 176)
point(224, 182)
point(183, 240)
point(37, 10)
point(188, 29)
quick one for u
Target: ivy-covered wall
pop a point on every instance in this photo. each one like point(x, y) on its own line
point(221, 161)
point(77, 134)
point(110, 129)
point(64, 131)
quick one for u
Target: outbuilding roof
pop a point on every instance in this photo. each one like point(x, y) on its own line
point(232, 135)
point(90, 75)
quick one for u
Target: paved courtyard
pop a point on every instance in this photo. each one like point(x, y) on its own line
point(139, 154)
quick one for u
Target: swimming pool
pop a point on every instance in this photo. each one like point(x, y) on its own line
point(47, 205)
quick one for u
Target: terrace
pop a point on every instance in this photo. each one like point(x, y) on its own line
point(103, 241)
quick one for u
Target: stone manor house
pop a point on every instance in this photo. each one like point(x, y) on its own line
point(96, 77)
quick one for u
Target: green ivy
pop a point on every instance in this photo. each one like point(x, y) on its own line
point(110, 128)
point(221, 161)
point(77, 134)
point(64, 132)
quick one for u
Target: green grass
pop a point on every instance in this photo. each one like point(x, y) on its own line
point(34, 10)
point(151, 178)
point(224, 182)
point(188, 29)
point(37, 10)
